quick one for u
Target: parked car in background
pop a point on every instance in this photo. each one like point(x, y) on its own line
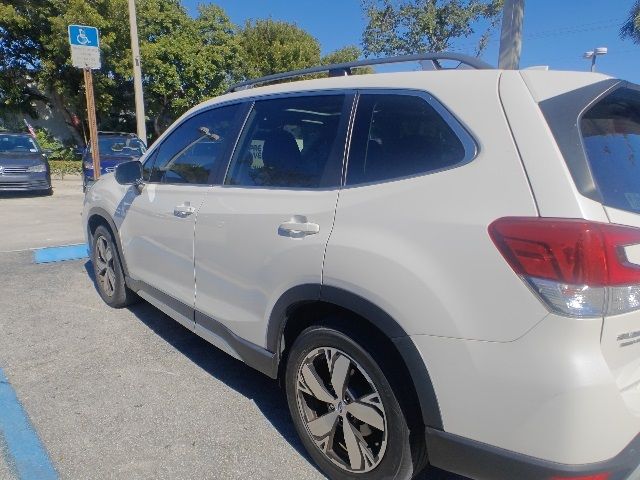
point(440, 267)
point(23, 164)
point(114, 148)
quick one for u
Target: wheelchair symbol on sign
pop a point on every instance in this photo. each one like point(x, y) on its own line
point(82, 37)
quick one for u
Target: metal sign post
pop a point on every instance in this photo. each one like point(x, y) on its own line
point(85, 54)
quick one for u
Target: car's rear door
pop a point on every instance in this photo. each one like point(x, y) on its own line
point(157, 231)
point(266, 228)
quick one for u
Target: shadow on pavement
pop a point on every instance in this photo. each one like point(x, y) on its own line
point(264, 391)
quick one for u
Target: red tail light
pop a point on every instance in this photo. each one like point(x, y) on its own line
point(598, 476)
point(572, 264)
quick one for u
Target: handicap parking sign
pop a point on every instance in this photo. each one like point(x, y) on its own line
point(84, 36)
point(85, 46)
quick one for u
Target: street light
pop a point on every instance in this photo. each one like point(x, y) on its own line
point(593, 54)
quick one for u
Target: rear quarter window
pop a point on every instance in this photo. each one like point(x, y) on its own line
point(611, 134)
point(399, 135)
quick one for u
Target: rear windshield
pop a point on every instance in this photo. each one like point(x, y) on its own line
point(611, 134)
point(120, 146)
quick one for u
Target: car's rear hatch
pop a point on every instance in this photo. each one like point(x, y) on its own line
point(610, 130)
point(597, 128)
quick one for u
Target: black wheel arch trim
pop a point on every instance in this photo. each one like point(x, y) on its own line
point(102, 213)
point(418, 371)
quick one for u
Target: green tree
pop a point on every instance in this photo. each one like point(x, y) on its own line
point(350, 53)
point(271, 46)
point(185, 59)
point(631, 27)
point(401, 27)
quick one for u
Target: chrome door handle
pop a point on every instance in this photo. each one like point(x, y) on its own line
point(298, 227)
point(183, 210)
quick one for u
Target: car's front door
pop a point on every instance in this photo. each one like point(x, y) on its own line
point(266, 228)
point(158, 229)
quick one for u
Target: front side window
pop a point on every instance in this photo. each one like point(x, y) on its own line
point(611, 133)
point(191, 152)
point(289, 143)
point(397, 136)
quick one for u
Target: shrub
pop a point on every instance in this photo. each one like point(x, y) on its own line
point(65, 167)
point(58, 150)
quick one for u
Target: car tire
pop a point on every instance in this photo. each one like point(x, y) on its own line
point(109, 276)
point(343, 444)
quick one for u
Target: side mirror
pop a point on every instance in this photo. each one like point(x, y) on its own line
point(47, 152)
point(129, 173)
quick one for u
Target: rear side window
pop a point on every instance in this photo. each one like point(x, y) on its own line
point(291, 142)
point(611, 133)
point(191, 152)
point(398, 136)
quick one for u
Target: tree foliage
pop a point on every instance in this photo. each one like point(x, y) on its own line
point(400, 27)
point(271, 46)
point(631, 27)
point(185, 59)
point(350, 53)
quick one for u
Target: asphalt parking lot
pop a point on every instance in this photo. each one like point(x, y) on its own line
point(124, 393)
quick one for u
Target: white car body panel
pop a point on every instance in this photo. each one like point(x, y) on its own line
point(157, 243)
point(549, 394)
point(244, 264)
point(439, 222)
point(555, 193)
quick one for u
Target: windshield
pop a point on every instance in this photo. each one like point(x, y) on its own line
point(611, 133)
point(18, 144)
point(121, 146)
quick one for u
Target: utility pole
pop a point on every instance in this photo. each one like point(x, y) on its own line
point(93, 124)
point(511, 36)
point(137, 73)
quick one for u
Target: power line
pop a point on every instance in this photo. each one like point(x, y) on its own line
point(570, 30)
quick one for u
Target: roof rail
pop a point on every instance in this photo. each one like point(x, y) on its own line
point(344, 69)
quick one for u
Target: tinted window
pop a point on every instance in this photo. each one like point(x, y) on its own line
point(399, 135)
point(289, 142)
point(18, 144)
point(193, 149)
point(611, 132)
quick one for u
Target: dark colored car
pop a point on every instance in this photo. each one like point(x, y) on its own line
point(114, 148)
point(23, 164)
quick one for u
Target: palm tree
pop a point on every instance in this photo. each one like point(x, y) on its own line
point(631, 27)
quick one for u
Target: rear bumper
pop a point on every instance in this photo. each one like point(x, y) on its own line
point(25, 183)
point(484, 462)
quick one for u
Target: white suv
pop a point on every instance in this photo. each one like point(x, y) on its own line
point(441, 267)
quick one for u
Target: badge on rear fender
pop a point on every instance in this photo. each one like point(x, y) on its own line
point(627, 339)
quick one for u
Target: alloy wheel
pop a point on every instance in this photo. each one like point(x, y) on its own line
point(105, 270)
point(341, 410)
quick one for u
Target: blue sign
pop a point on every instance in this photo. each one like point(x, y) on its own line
point(83, 36)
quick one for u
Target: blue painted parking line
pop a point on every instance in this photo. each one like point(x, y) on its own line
point(24, 453)
point(61, 254)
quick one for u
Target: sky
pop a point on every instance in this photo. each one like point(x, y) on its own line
point(556, 32)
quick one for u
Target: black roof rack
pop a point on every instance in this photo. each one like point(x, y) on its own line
point(344, 69)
